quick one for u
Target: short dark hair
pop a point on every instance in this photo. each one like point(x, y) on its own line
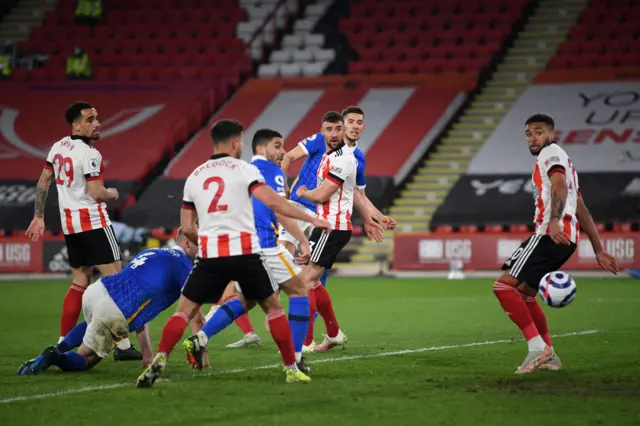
point(541, 118)
point(332, 117)
point(353, 110)
point(74, 111)
point(263, 137)
point(223, 130)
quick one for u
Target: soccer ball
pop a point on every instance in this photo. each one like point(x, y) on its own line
point(557, 289)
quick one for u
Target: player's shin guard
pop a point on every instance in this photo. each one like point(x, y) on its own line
point(539, 318)
point(325, 307)
point(222, 319)
point(172, 332)
point(70, 361)
point(281, 333)
point(73, 339)
point(313, 310)
point(299, 322)
point(512, 303)
point(71, 307)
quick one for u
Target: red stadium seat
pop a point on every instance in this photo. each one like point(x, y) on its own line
point(359, 67)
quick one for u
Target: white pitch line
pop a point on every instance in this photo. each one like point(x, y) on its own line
point(265, 367)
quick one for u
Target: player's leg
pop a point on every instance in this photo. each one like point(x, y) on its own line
point(205, 284)
point(326, 248)
point(249, 338)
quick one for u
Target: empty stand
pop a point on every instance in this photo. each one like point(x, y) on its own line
point(607, 34)
point(418, 37)
point(141, 40)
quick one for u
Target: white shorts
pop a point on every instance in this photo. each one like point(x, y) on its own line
point(305, 227)
point(105, 322)
point(281, 265)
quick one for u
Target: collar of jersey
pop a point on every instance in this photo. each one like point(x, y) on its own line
point(81, 138)
point(216, 156)
point(258, 157)
point(178, 248)
point(353, 148)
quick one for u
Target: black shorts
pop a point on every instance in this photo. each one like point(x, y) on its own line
point(537, 256)
point(209, 278)
point(92, 248)
point(325, 247)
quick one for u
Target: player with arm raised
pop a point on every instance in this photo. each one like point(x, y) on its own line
point(268, 149)
point(217, 195)
point(118, 304)
point(77, 168)
point(335, 196)
point(559, 212)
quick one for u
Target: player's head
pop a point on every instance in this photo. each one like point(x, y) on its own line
point(83, 119)
point(269, 144)
point(227, 137)
point(353, 124)
point(332, 129)
point(189, 247)
point(539, 130)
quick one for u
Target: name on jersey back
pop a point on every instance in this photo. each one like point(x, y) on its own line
point(215, 163)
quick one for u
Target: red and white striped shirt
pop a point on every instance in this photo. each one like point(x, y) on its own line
point(74, 162)
point(338, 166)
point(553, 159)
point(220, 192)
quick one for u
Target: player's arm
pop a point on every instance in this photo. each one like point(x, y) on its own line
point(189, 221)
point(144, 340)
point(372, 229)
point(280, 206)
point(606, 260)
point(558, 201)
point(98, 192)
point(36, 227)
point(291, 157)
point(322, 193)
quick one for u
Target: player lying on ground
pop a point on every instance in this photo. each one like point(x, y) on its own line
point(314, 148)
point(559, 214)
point(218, 194)
point(116, 305)
point(268, 149)
point(78, 170)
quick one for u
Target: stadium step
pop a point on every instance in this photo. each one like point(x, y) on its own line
point(543, 32)
point(26, 15)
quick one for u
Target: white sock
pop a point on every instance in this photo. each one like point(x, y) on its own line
point(298, 356)
point(60, 339)
point(536, 344)
point(202, 338)
point(124, 344)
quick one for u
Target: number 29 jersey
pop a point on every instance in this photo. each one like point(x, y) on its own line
point(220, 193)
point(75, 162)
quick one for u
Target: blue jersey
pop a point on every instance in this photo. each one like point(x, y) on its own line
point(265, 219)
point(315, 148)
point(149, 284)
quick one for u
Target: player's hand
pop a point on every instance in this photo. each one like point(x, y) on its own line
point(322, 224)
point(388, 222)
point(556, 233)
point(305, 253)
point(374, 231)
point(35, 229)
point(301, 191)
point(114, 194)
point(147, 360)
point(608, 262)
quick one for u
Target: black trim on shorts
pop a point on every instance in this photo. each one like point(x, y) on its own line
point(92, 248)
point(537, 256)
point(325, 247)
point(209, 278)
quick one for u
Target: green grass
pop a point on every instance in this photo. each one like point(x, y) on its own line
point(450, 385)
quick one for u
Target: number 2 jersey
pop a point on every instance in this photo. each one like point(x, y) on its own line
point(553, 159)
point(220, 193)
point(74, 162)
point(265, 219)
point(149, 284)
point(315, 148)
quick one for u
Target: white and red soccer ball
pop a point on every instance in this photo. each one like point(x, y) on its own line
point(557, 289)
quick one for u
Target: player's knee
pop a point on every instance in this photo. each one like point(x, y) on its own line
point(81, 276)
point(296, 287)
point(505, 282)
point(110, 268)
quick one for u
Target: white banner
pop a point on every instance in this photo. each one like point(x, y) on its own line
point(598, 124)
